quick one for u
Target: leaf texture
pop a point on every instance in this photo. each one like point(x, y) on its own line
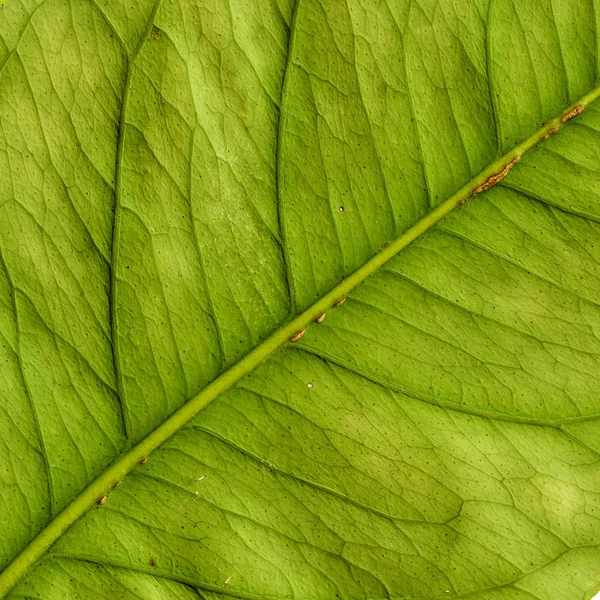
point(185, 186)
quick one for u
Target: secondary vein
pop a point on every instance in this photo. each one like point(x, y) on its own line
point(117, 218)
point(34, 411)
point(280, 154)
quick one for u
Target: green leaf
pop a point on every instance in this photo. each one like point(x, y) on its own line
point(186, 187)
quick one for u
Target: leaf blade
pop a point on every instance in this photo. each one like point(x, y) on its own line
point(246, 365)
point(179, 375)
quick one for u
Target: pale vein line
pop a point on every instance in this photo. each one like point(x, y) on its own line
point(511, 261)
point(38, 428)
point(560, 48)
point(546, 202)
point(479, 315)
point(439, 402)
point(302, 481)
point(66, 342)
point(20, 36)
point(156, 572)
point(110, 25)
point(372, 137)
point(196, 241)
point(300, 541)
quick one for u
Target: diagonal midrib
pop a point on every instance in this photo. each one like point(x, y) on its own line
point(128, 460)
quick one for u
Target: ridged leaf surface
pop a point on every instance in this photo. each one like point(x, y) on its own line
point(185, 186)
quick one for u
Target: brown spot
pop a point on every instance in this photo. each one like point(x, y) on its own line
point(102, 500)
point(549, 133)
point(155, 33)
point(116, 484)
point(152, 561)
point(320, 318)
point(340, 302)
point(494, 179)
point(298, 336)
point(144, 460)
point(573, 113)
point(462, 201)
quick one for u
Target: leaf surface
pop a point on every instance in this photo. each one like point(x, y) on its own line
point(188, 185)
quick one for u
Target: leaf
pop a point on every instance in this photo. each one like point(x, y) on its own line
point(187, 186)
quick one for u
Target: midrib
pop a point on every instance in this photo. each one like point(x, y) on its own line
point(129, 460)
